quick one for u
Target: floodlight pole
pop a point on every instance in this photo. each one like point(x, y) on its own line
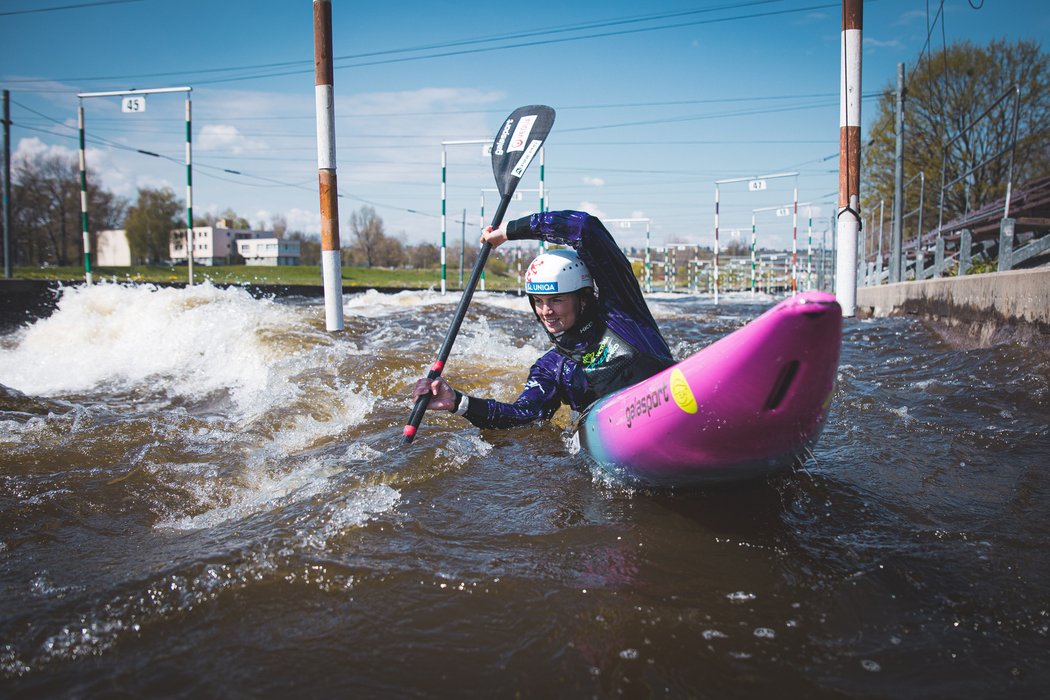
point(83, 172)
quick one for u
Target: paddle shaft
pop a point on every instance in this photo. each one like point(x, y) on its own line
point(453, 330)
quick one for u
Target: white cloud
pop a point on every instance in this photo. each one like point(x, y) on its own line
point(592, 209)
point(593, 181)
point(873, 43)
point(222, 137)
point(33, 147)
point(819, 18)
point(110, 167)
point(307, 221)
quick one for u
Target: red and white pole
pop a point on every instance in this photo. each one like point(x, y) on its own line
point(794, 242)
point(849, 158)
point(324, 97)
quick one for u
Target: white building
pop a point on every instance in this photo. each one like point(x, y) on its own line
point(268, 251)
point(217, 245)
point(112, 249)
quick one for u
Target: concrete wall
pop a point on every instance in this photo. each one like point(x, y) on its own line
point(978, 310)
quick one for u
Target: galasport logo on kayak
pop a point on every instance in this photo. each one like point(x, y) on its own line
point(645, 404)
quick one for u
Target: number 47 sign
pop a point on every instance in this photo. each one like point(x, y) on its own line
point(136, 103)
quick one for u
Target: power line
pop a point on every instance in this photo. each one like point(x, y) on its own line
point(356, 62)
point(58, 8)
point(472, 41)
point(528, 44)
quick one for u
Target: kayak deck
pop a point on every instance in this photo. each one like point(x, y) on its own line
point(747, 405)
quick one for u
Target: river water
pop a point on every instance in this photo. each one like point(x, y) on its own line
point(202, 494)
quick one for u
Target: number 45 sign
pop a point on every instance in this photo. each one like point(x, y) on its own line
point(135, 103)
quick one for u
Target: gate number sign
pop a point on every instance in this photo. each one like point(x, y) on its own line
point(133, 104)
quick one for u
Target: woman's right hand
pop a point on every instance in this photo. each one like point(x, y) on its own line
point(494, 237)
point(443, 396)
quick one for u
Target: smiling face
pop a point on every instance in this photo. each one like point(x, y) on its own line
point(557, 312)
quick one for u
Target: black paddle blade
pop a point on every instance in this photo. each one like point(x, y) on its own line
point(517, 143)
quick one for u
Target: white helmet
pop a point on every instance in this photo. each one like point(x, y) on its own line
point(557, 272)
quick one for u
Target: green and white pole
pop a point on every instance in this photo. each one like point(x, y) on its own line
point(543, 204)
point(84, 195)
point(189, 192)
point(648, 262)
point(714, 257)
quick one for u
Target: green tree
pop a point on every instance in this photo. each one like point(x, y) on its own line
point(150, 222)
point(946, 93)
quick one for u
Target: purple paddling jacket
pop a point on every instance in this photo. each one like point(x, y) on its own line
point(616, 344)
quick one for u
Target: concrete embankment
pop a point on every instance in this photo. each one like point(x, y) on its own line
point(974, 310)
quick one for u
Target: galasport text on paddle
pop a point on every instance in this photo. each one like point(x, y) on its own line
point(518, 141)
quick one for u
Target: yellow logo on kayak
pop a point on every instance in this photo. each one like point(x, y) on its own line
point(683, 395)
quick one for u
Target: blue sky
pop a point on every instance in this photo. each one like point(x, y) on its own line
point(655, 102)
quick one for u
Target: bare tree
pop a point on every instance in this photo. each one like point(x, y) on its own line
point(46, 217)
point(367, 230)
point(279, 225)
point(422, 256)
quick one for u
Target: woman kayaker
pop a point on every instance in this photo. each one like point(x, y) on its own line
point(603, 340)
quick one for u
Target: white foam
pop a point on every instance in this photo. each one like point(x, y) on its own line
point(123, 334)
point(374, 304)
point(181, 342)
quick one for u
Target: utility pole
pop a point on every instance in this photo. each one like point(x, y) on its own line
point(898, 184)
point(7, 184)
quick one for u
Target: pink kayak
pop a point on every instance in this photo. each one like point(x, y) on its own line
point(745, 406)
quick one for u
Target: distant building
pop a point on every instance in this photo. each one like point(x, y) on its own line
point(268, 251)
point(220, 245)
point(112, 249)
